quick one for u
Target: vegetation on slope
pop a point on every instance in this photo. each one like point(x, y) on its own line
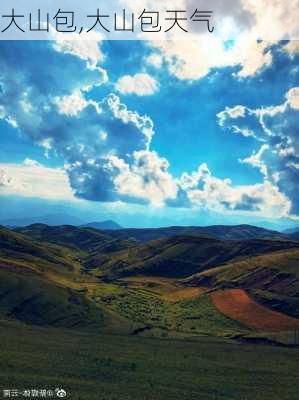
point(273, 279)
point(69, 278)
point(179, 257)
point(63, 325)
point(86, 239)
point(30, 298)
point(109, 367)
point(28, 290)
point(225, 232)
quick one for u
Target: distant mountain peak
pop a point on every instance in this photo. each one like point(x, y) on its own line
point(49, 219)
point(104, 225)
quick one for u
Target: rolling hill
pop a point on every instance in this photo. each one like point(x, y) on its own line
point(179, 257)
point(85, 239)
point(272, 279)
point(29, 297)
point(27, 292)
point(237, 232)
point(79, 276)
point(21, 249)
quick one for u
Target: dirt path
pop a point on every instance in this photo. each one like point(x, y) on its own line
point(236, 304)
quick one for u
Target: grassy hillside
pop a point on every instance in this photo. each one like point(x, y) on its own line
point(78, 282)
point(234, 232)
point(45, 284)
point(273, 279)
point(179, 257)
point(30, 298)
point(142, 332)
point(108, 367)
point(148, 306)
point(86, 239)
point(31, 284)
point(23, 250)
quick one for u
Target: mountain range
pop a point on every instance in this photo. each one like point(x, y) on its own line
point(86, 278)
point(234, 232)
point(59, 219)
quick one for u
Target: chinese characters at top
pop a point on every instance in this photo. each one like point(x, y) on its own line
point(147, 21)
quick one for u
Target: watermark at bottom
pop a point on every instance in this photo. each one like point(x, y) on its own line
point(34, 393)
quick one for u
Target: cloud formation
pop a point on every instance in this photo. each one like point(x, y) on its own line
point(141, 84)
point(53, 110)
point(32, 179)
point(106, 147)
point(194, 59)
point(207, 191)
point(245, 23)
point(277, 126)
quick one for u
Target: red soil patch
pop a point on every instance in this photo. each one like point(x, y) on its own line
point(237, 305)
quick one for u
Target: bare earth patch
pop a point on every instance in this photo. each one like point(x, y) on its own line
point(236, 304)
point(183, 294)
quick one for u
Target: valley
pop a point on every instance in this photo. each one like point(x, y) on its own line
point(179, 293)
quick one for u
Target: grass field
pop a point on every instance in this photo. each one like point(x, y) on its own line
point(63, 324)
point(106, 367)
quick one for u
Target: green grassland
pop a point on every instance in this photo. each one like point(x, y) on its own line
point(52, 284)
point(161, 317)
point(32, 299)
point(101, 334)
point(179, 257)
point(226, 232)
point(112, 367)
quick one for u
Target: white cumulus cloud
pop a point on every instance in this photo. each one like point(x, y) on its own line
point(147, 178)
point(31, 179)
point(141, 84)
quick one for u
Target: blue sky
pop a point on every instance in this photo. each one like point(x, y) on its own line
point(151, 134)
